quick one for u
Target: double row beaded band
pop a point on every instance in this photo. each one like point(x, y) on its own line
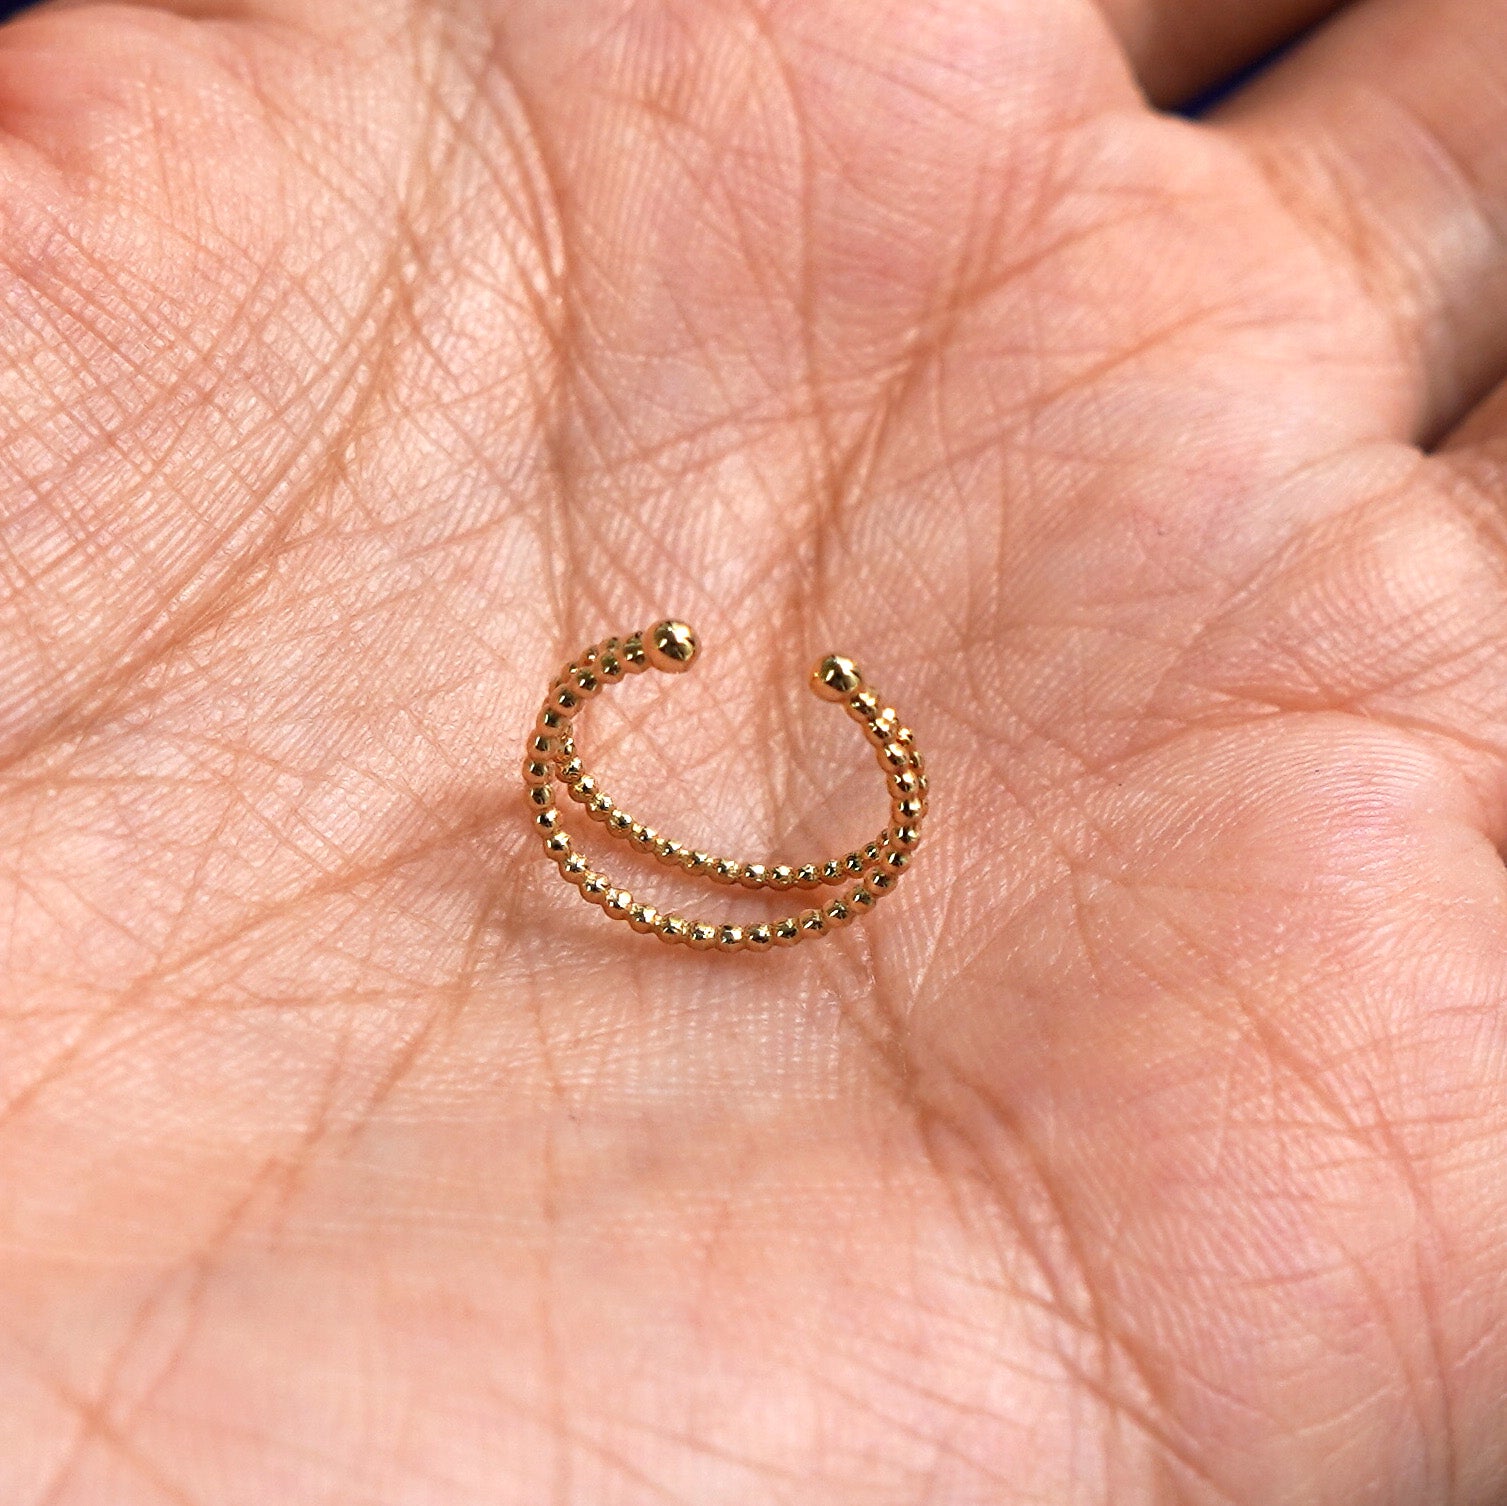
point(868, 872)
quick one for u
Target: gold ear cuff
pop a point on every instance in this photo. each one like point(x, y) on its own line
point(864, 875)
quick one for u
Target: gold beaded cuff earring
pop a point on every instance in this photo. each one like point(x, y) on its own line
point(864, 875)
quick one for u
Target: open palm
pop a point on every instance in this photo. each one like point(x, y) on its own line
point(362, 361)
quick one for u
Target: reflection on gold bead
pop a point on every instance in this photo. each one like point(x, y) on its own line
point(550, 720)
point(905, 836)
point(812, 922)
point(905, 782)
point(566, 699)
point(599, 807)
point(730, 938)
point(703, 937)
point(643, 918)
point(673, 928)
point(572, 771)
point(594, 886)
point(808, 876)
point(759, 938)
point(908, 811)
point(586, 682)
point(782, 876)
point(864, 704)
point(540, 747)
point(620, 821)
point(668, 851)
point(618, 903)
point(881, 880)
point(645, 838)
point(548, 820)
point(632, 655)
point(895, 756)
point(575, 866)
point(557, 844)
point(754, 876)
point(610, 668)
point(726, 871)
point(541, 797)
point(696, 862)
point(861, 899)
point(835, 678)
point(787, 932)
point(838, 912)
point(670, 647)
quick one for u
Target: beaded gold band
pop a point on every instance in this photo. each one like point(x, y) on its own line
point(866, 874)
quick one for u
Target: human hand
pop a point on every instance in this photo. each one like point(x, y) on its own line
point(361, 362)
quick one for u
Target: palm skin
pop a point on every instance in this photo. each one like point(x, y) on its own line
point(361, 367)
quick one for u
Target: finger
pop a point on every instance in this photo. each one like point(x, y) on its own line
point(1384, 137)
point(1180, 47)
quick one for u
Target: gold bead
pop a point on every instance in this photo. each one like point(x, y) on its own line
point(812, 922)
point(643, 919)
point(730, 938)
point(832, 870)
point(703, 937)
point(540, 746)
point(906, 782)
point(782, 876)
point(571, 771)
point(836, 678)
point(583, 789)
point(838, 912)
point(908, 811)
point(574, 866)
point(854, 863)
point(620, 822)
point(668, 850)
point(618, 903)
point(895, 756)
point(726, 871)
point(787, 932)
point(905, 836)
point(548, 820)
point(673, 928)
point(643, 837)
point(862, 899)
point(896, 861)
point(557, 844)
point(759, 938)
point(670, 647)
point(754, 876)
point(565, 699)
point(586, 681)
point(550, 720)
point(600, 806)
point(610, 667)
point(881, 880)
point(541, 796)
point(917, 762)
point(696, 862)
point(808, 876)
point(595, 886)
point(865, 704)
point(632, 655)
